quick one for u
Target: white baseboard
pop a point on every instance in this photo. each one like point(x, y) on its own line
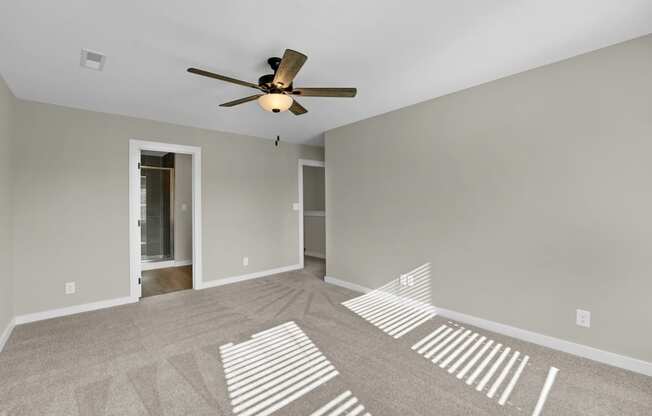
point(343, 283)
point(6, 333)
point(605, 357)
point(153, 265)
point(315, 254)
point(71, 310)
point(256, 275)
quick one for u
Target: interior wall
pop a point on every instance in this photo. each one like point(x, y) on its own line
point(6, 269)
point(313, 188)
point(314, 226)
point(529, 196)
point(314, 238)
point(182, 207)
point(72, 202)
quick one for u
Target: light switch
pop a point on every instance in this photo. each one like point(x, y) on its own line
point(295, 206)
point(70, 288)
point(184, 207)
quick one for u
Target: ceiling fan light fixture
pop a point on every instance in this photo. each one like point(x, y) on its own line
point(275, 102)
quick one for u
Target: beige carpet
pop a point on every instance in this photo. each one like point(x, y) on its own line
point(162, 356)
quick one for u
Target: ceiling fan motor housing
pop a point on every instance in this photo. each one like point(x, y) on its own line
point(274, 62)
point(267, 80)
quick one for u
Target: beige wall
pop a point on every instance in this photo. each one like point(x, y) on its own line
point(314, 227)
point(6, 275)
point(530, 196)
point(182, 196)
point(71, 202)
point(314, 239)
point(313, 188)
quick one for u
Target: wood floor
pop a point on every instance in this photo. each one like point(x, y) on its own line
point(171, 279)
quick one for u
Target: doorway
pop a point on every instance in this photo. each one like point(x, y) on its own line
point(157, 203)
point(313, 217)
point(165, 218)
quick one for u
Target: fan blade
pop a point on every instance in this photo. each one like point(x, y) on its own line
point(325, 92)
point(290, 64)
point(241, 100)
point(223, 78)
point(297, 109)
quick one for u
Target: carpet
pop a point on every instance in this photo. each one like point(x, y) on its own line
point(165, 356)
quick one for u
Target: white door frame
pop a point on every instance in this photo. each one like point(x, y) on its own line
point(135, 148)
point(302, 163)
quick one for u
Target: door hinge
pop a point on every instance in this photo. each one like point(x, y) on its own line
point(139, 223)
point(138, 165)
point(139, 281)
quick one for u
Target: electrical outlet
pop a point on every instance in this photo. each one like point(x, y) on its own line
point(295, 206)
point(406, 280)
point(70, 288)
point(245, 261)
point(583, 318)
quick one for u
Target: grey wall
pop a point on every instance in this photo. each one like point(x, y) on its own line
point(530, 196)
point(314, 227)
point(6, 270)
point(71, 202)
point(182, 196)
point(314, 236)
point(313, 188)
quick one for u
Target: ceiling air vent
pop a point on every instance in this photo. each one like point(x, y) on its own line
point(92, 60)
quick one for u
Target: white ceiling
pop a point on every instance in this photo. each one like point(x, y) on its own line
point(396, 53)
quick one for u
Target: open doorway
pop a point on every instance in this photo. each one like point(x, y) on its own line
point(165, 218)
point(313, 217)
point(165, 222)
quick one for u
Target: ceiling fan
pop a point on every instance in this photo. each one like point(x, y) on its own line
point(276, 92)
